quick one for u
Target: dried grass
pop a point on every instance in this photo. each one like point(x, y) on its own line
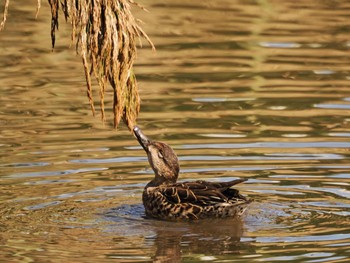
point(105, 34)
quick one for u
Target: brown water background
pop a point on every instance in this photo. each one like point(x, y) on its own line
point(251, 89)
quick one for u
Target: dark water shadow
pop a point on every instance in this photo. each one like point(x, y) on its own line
point(170, 241)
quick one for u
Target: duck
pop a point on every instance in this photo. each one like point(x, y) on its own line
point(166, 199)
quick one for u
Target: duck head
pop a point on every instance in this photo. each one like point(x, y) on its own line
point(161, 157)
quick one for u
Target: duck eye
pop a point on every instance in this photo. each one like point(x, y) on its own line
point(160, 155)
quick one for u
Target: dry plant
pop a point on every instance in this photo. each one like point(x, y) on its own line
point(105, 34)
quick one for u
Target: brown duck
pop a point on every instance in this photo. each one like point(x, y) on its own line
point(163, 198)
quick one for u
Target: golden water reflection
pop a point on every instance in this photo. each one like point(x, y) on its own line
point(251, 89)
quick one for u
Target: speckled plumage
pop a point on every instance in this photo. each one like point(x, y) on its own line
point(163, 198)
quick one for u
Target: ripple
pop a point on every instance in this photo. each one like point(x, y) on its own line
point(276, 192)
point(294, 135)
point(47, 182)
point(324, 72)
point(307, 156)
point(333, 106)
point(336, 191)
point(280, 156)
point(222, 135)
point(287, 176)
point(54, 173)
point(42, 205)
point(339, 245)
point(277, 107)
point(26, 165)
point(224, 169)
point(294, 239)
point(326, 204)
point(109, 160)
point(329, 259)
point(213, 99)
point(102, 149)
point(280, 44)
point(120, 213)
point(339, 134)
point(321, 257)
point(267, 145)
point(341, 175)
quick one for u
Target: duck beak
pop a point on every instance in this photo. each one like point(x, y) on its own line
point(143, 140)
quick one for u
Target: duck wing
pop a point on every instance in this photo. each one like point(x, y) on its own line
point(202, 193)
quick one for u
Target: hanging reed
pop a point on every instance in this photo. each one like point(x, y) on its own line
point(105, 34)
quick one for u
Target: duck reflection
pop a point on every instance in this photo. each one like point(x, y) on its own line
point(207, 237)
point(172, 241)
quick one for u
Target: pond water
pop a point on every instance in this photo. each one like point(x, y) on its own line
point(240, 89)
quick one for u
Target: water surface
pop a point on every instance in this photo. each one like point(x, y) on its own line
point(240, 89)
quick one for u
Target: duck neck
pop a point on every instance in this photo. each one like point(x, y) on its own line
point(160, 180)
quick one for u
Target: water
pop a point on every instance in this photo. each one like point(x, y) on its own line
point(251, 89)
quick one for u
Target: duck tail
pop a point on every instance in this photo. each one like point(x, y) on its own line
point(238, 181)
point(225, 185)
